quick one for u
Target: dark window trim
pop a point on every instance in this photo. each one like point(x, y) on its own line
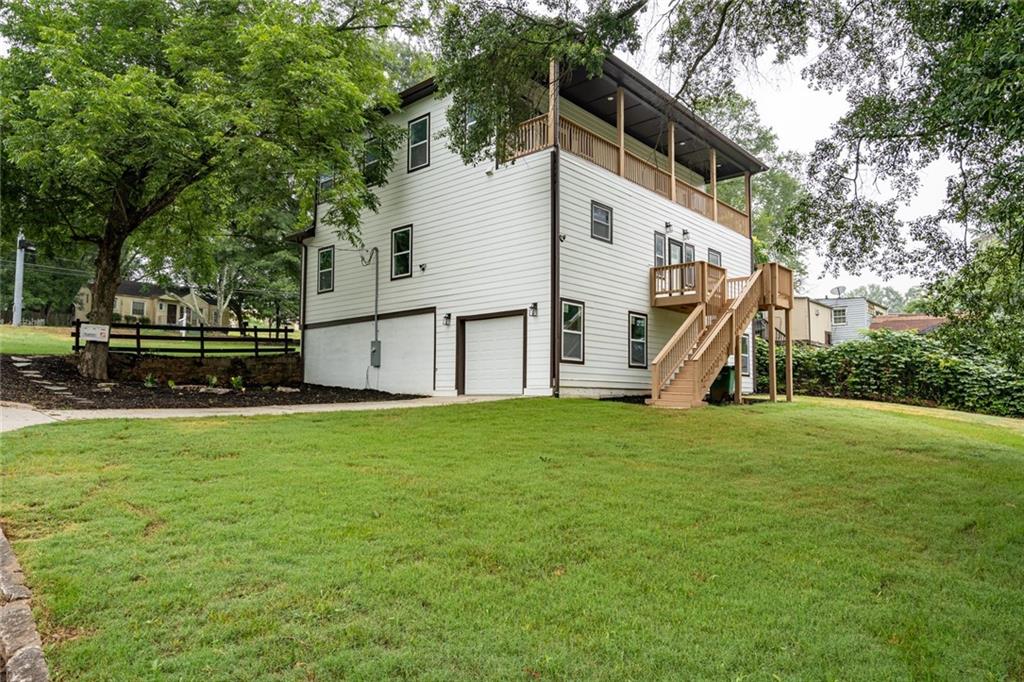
point(408, 144)
point(692, 247)
point(664, 248)
point(318, 270)
point(629, 339)
point(611, 222)
point(711, 251)
point(392, 250)
point(460, 343)
point(583, 331)
point(669, 243)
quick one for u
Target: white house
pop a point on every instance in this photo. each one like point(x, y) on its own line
point(851, 317)
point(595, 262)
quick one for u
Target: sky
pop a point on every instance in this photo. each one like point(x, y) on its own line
point(800, 117)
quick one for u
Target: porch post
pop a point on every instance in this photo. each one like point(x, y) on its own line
point(671, 160)
point(750, 205)
point(713, 162)
point(738, 345)
point(789, 357)
point(553, 113)
point(620, 127)
point(773, 371)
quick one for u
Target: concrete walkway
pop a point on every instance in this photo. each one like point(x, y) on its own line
point(15, 416)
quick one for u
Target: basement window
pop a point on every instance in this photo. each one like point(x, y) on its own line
point(638, 340)
point(325, 270)
point(572, 331)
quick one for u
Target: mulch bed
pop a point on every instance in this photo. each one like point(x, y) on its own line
point(81, 393)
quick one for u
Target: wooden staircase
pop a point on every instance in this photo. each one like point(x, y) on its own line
point(720, 308)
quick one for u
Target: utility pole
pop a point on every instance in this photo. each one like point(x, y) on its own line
point(19, 279)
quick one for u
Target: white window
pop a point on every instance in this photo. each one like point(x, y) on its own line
point(325, 181)
point(659, 249)
point(745, 355)
point(572, 331)
point(138, 308)
point(325, 270)
point(419, 143)
point(637, 340)
point(715, 257)
point(401, 252)
point(600, 222)
point(838, 317)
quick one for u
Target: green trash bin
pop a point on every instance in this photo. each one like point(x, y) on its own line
point(724, 385)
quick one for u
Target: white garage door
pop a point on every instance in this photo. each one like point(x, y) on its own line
point(494, 356)
point(340, 355)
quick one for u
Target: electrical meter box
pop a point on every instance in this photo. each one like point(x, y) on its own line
point(375, 353)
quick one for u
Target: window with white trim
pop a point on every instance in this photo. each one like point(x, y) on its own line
point(715, 257)
point(401, 252)
point(138, 308)
point(638, 340)
point(419, 143)
point(572, 331)
point(325, 269)
point(838, 317)
point(600, 222)
point(745, 355)
point(659, 249)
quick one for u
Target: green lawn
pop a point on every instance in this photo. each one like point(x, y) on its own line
point(58, 341)
point(531, 539)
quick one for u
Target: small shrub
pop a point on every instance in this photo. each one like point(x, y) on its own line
point(149, 381)
point(899, 367)
point(237, 383)
point(211, 380)
point(115, 317)
point(171, 384)
point(144, 320)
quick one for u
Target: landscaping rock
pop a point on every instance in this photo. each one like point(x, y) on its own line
point(19, 365)
point(27, 666)
point(17, 629)
point(287, 389)
point(53, 387)
point(106, 384)
point(18, 358)
point(102, 389)
point(21, 654)
point(214, 390)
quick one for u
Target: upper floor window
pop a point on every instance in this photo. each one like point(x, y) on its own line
point(325, 181)
point(838, 317)
point(659, 249)
point(373, 171)
point(325, 269)
point(401, 252)
point(419, 143)
point(715, 257)
point(470, 118)
point(572, 331)
point(600, 222)
point(637, 340)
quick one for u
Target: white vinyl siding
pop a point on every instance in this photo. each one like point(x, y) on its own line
point(615, 280)
point(850, 317)
point(484, 239)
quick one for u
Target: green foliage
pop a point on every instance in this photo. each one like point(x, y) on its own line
point(900, 367)
point(149, 381)
point(171, 384)
point(53, 277)
point(237, 383)
point(211, 380)
point(893, 300)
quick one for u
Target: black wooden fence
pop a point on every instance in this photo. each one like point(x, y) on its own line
point(200, 340)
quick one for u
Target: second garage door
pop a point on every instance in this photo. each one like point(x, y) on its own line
point(494, 356)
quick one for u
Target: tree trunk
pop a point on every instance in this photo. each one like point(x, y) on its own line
point(92, 360)
point(236, 307)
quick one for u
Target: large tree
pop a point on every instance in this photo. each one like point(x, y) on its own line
point(115, 113)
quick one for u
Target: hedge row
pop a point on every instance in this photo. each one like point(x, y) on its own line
point(900, 367)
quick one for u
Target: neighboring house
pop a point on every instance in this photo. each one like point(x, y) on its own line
point(149, 303)
point(566, 270)
point(851, 317)
point(811, 322)
point(903, 322)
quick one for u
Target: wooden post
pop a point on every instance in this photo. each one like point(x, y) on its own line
point(702, 280)
point(738, 388)
point(202, 340)
point(789, 357)
point(672, 160)
point(138, 338)
point(773, 375)
point(77, 334)
point(713, 162)
point(750, 205)
point(553, 77)
point(256, 341)
point(620, 127)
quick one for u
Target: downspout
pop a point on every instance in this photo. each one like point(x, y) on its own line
point(556, 241)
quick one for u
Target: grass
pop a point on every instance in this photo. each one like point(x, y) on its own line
point(532, 539)
point(58, 341)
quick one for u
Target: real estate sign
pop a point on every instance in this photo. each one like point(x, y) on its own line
point(95, 332)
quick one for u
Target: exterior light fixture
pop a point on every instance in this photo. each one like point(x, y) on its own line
point(533, 309)
point(685, 234)
point(668, 226)
point(447, 320)
point(561, 237)
point(423, 267)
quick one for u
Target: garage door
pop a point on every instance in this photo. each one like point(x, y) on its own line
point(494, 356)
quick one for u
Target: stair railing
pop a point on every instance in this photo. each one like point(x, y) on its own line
point(677, 349)
point(714, 349)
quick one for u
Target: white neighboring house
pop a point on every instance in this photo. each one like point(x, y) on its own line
point(565, 271)
point(851, 317)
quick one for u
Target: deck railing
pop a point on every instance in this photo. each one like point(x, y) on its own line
point(674, 353)
point(718, 342)
point(533, 135)
point(696, 280)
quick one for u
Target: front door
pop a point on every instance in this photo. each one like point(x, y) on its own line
point(678, 252)
point(172, 313)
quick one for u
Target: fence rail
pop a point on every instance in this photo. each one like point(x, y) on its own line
point(196, 339)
